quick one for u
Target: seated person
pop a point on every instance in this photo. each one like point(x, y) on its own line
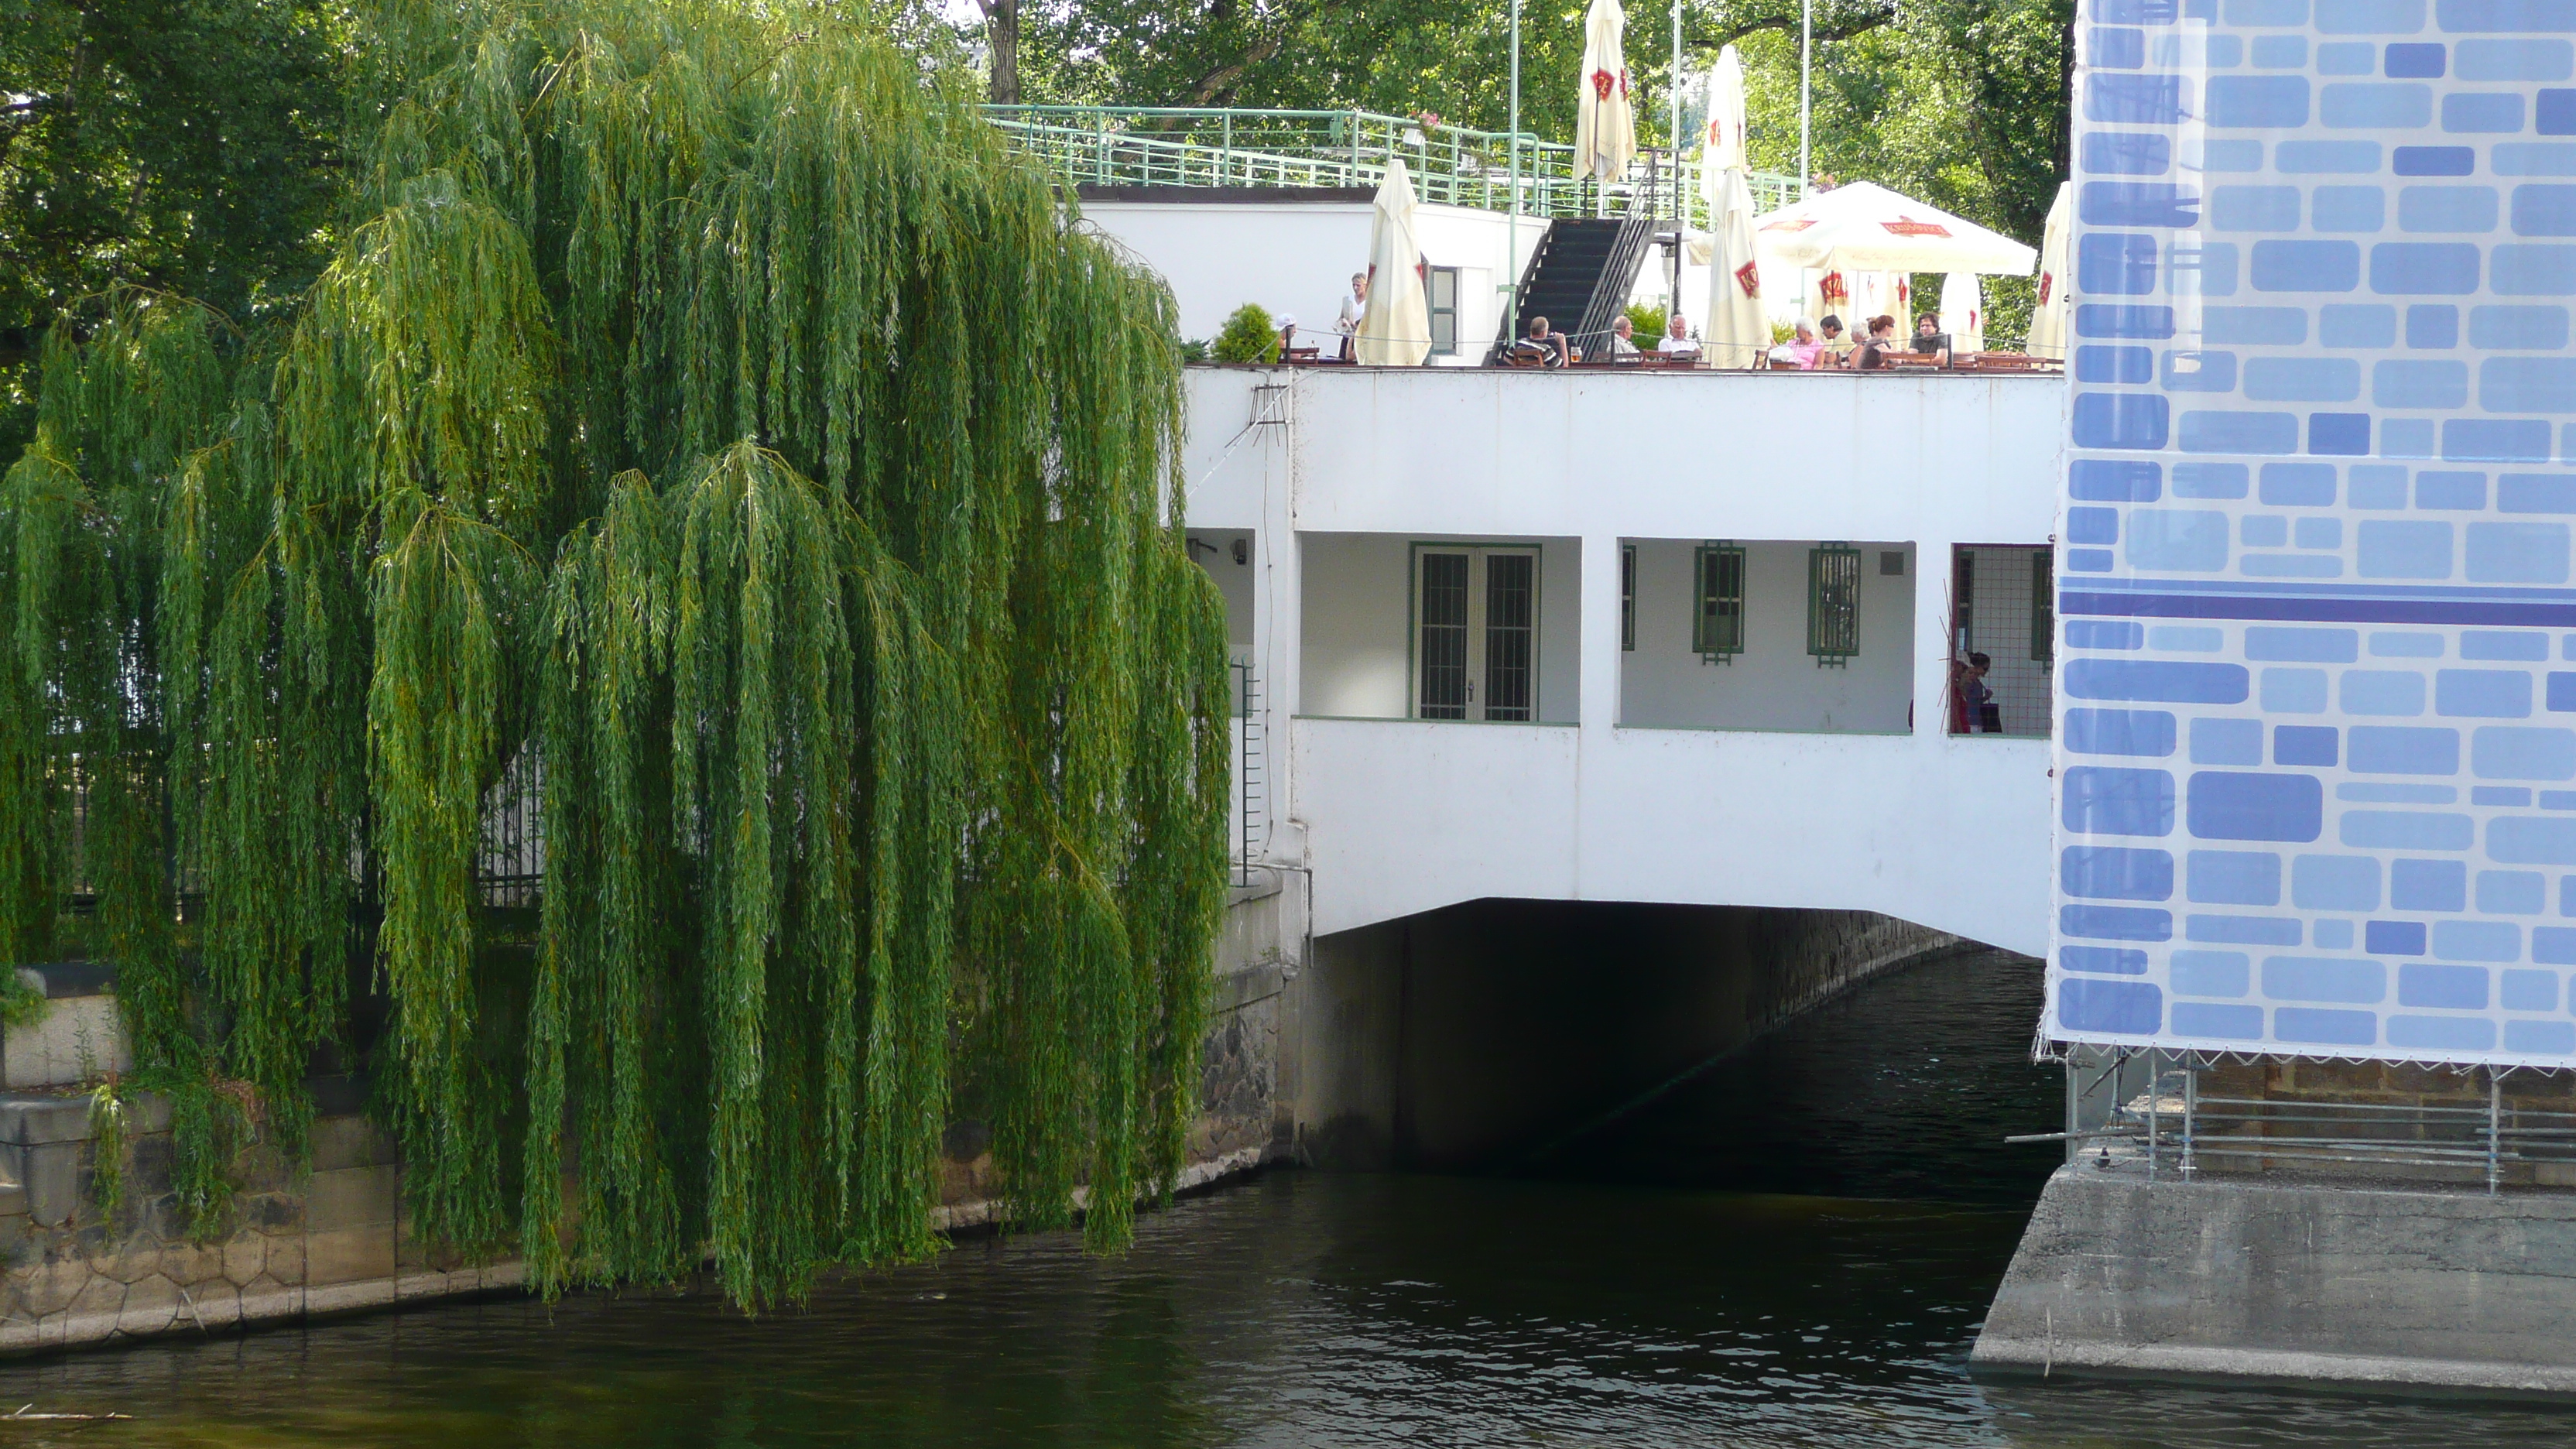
point(1287, 333)
point(1802, 351)
point(1930, 340)
point(1623, 341)
point(1677, 339)
point(1838, 348)
point(1548, 347)
point(1871, 355)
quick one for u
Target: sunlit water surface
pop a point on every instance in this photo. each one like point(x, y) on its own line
point(1790, 1248)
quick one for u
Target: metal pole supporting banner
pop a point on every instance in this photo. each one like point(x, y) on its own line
point(1673, 130)
point(1806, 70)
point(1512, 274)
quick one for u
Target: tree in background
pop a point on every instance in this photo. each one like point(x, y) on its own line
point(1960, 102)
point(191, 146)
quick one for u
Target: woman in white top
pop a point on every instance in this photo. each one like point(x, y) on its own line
point(1348, 323)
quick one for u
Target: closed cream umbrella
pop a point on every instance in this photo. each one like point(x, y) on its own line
point(1395, 326)
point(1722, 146)
point(1963, 312)
point(2048, 309)
point(1737, 331)
point(1605, 128)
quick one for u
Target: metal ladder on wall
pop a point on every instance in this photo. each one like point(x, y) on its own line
point(1250, 777)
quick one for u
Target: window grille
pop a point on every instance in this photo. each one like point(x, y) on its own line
point(1717, 587)
point(1833, 604)
point(2001, 607)
point(1441, 292)
point(1444, 636)
point(2043, 606)
point(1511, 591)
point(1628, 597)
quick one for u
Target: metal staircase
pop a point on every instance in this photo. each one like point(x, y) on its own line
point(1579, 279)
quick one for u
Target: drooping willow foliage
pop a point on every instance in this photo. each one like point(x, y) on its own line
point(706, 418)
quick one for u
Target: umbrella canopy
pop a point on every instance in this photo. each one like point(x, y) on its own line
point(1963, 312)
point(1737, 330)
point(1395, 326)
point(1868, 228)
point(2048, 312)
point(1722, 146)
point(1605, 128)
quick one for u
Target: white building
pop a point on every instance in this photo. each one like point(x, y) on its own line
point(1663, 637)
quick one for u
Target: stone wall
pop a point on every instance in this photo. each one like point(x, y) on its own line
point(327, 1236)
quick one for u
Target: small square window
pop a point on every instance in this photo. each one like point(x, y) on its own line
point(1891, 563)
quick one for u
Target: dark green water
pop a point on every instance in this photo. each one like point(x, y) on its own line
point(1792, 1248)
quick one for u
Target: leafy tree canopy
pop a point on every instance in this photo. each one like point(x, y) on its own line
point(1960, 102)
point(191, 146)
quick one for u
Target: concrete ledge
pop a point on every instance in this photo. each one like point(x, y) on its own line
point(2292, 1281)
point(965, 1216)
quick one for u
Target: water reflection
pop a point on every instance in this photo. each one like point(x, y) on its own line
point(1824, 1293)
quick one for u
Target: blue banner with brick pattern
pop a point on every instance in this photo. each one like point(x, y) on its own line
point(2316, 690)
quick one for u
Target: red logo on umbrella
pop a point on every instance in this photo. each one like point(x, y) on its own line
point(1908, 226)
point(2044, 280)
point(1602, 81)
point(1832, 288)
point(1749, 279)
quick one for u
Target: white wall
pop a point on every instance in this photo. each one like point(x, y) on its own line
point(1234, 580)
point(1298, 256)
point(1353, 626)
point(1358, 608)
point(1406, 817)
point(1775, 684)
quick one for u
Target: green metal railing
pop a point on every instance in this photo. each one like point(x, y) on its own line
point(1182, 146)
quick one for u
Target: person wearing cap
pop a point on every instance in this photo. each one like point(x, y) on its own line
point(1287, 325)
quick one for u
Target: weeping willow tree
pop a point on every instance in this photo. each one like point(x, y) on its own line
point(707, 418)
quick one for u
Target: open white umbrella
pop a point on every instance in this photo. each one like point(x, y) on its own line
point(1737, 330)
point(2048, 310)
point(1395, 326)
point(1867, 228)
point(1605, 129)
point(1722, 146)
point(1963, 312)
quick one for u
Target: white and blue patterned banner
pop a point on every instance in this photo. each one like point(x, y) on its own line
point(2316, 745)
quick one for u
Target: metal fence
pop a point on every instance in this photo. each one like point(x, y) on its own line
point(2152, 1110)
point(1455, 165)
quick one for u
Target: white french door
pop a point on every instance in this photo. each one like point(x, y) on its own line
point(1475, 633)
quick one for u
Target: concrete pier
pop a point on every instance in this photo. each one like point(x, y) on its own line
point(2268, 1278)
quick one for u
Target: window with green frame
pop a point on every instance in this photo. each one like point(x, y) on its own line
point(1628, 598)
point(1717, 609)
point(1833, 604)
point(2043, 606)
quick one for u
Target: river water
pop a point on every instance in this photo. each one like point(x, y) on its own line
point(1791, 1247)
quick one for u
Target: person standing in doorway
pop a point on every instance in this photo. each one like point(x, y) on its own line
point(1985, 715)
